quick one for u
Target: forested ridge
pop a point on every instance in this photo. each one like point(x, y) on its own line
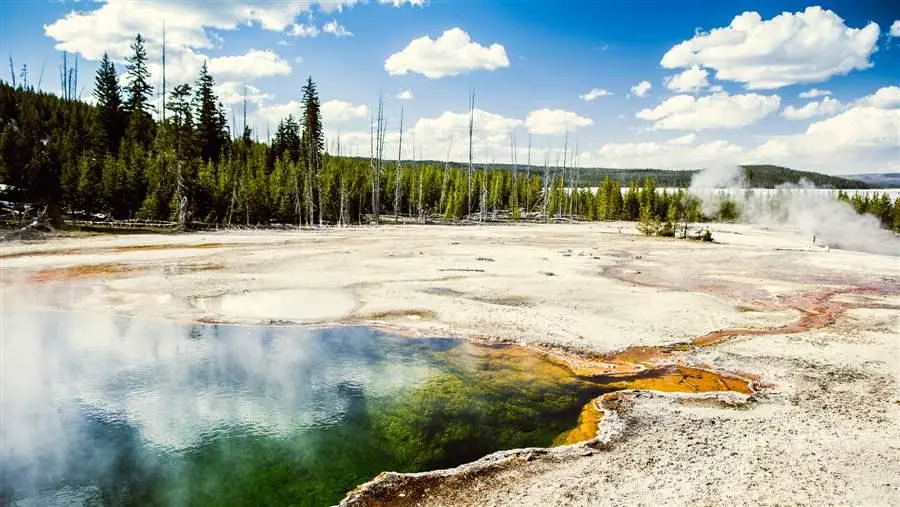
point(124, 159)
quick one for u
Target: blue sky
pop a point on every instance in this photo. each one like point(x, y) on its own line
point(725, 77)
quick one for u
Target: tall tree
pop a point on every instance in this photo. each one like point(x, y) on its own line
point(139, 92)
point(109, 104)
point(313, 144)
point(211, 121)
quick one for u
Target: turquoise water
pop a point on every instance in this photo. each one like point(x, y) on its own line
point(103, 410)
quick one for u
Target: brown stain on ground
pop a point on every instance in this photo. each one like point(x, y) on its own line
point(117, 249)
point(70, 273)
point(169, 246)
point(396, 314)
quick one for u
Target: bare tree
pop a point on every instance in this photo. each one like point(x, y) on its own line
point(421, 178)
point(164, 79)
point(377, 153)
point(528, 176)
point(471, 129)
point(444, 176)
point(545, 195)
point(397, 177)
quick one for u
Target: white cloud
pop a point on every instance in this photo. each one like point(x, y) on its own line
point(595, 93)
point(336, 29)
point(883, 98)
point(232, 92)
point(801, 47)
point(684, 140)
point(555, 121)
point(641, 89)
point(690, 81)
point(813, 93)
point(302, 30)
point(399, 3)
point(451, 54)
point(434, 136)
point(859, 140)
point(678, 153)
point(253, 64)
point(720, 110)
point(338, 110)
point(274, 113)
point(283, 42)
point(826, 107)
point(405, 95)
point(191, 29)
point(895, 28)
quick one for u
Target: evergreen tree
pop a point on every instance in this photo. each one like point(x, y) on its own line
point(109, 104)
point(211, 124)
point(139, 92)
point(313, 143)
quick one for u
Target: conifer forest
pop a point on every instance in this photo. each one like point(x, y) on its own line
point(123, 158)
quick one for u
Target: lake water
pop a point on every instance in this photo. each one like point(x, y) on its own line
point(103, 410)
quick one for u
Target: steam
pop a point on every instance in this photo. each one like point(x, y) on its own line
point(77, 389)
point(815, 213)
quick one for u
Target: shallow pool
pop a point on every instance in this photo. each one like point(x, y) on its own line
point(104, 410)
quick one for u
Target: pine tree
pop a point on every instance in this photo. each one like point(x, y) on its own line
point(139, 91)
point(212, 136)
point(313, 143)
point(109, 104)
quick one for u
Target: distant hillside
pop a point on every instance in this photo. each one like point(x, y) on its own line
point(883, 180)
point(758, 176)
point(769, 176)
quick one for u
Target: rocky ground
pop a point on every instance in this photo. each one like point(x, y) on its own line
point(822, 427)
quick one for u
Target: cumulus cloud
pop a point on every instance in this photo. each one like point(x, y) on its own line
point(802, 47)
point(555, 121)
point(274, 113)
point(252, 64)
point(451, 54)
point(883, 98)
point(595, 93)
point(302, 30)
point(191, 30)
point(720, 110)
point(684, 140)
point(405, 95)
point(233, 92)
point(690, 81)
point(678, 153)
point(827, 106)
point(813, 93)
point(895, 28)
point(641, 89)
point(400, 3)
point(338, 110)
point(336, 29)
point(863, 138)
point(449, 131)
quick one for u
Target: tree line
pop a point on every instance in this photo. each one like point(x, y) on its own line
point(125, 159)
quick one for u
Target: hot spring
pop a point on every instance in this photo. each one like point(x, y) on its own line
point(101, 410)
point(110, 410)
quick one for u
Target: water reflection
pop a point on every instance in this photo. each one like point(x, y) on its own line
point(116, 411)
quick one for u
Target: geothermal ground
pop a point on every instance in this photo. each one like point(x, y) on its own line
point(814, 332)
